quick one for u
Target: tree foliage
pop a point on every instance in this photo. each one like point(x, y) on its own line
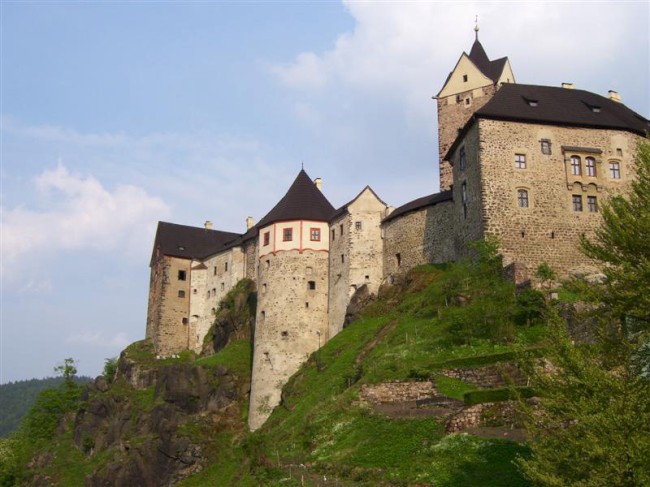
point(593, 424)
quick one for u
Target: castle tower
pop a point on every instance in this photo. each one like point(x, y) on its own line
point(468, 87)
point(292, 285)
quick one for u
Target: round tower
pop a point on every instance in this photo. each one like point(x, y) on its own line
point(292, 284)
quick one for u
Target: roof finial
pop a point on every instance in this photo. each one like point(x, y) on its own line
point(476, 27)
point(302, 165)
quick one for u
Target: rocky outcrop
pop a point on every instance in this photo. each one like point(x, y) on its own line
point(142, 431)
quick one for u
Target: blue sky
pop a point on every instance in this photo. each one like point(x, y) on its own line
point(118, 114)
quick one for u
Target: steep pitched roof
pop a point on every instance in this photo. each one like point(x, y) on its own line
point(343, 209)
point(303, 201)
point(556, 106)
point(491, 69)
point(189, 242)
point(417, 204)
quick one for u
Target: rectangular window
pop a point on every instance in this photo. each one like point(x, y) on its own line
point(341, 229)
point(287, 234)
point(546, 147)
point(342, 258)
point(590, 164)
point(315, 234)
point(267, 238)
point(522, 198)
point(398, 259)
point(333, 234)
point(311, 285)
point(214, 271)
point(520, 161)
point(462, 159)
point(577, 202)
point(181, 294)
point(357, 226)
point(181, 275)
point(576, 168)
point(614, 170)
point(225, 267)
point(592, 204)
point(619, 152)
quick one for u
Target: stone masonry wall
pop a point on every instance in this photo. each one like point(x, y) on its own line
point(340, 289)
point(549, 229)
point(453, 113)
point(171, 335)
point(420, 237)
point(250, 259)
point(291, 323)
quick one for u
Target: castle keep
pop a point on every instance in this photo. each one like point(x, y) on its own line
point(528, 164)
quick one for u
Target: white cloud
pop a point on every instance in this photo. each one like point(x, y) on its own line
point(79, 213)
point(404, 50)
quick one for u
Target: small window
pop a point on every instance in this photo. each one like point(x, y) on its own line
point(592, 204)
point(223, 286)
point(333, 234)
point(590, 165)
point(342, 258)
point(546, 147)
point(577, 202)
point(522, 198)
point(214, 271)
point(619, 152)
point(181, 275)
point(214, 291)
point(284, 333)
point(287, 234)
point(308, 271)
point(263, 288)
point(463, 192)
point(520, 161)
point(464, 78)
point(306, 305)
point(576, 168)
point(467, 100)
point(181, 294)
point(614, 170)
point(398, 259)
point(262, 316)
point(311, 285)
point(195, 291)
point(357, 226)
point(532, 103)
point(341, 229)
point(225, 267)
point(268, 264)
point(267, 238)
point(315, 234)
point(184, 321)
point(462, 159)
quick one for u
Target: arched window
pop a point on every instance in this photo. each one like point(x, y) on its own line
point(522, 198)
point(590, 164)
point(576, 168)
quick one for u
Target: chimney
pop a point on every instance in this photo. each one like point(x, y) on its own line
point(319, 183)
point(208, 225)
point(249, 223)
point(568, 86)
point(389, 210)
point(614, 96)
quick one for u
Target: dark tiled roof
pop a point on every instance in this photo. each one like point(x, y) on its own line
point(303, 201)
point(491, 69)
point(189, 242)
point(556, 106)
point(430, 200)
point(343, 209)
point(561, 106)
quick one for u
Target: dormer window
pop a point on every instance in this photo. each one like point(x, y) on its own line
point(530, 102)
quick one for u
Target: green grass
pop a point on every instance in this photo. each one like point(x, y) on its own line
point(496, 395)
point(236, 356)
point(454, 388)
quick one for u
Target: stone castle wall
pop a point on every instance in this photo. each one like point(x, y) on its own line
point(454, 111)
point(419, 237)
point(340, 289)
point(549, 229)
point(291, 323)
point(169, 305)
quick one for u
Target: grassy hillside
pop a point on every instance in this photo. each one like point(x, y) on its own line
point(323, 430)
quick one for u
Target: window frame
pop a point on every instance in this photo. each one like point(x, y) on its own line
point(545, 146)
point(592, 204)
point(614, 170)
point(523, 198)
point(267, 238)
point(287, 234)
point(576, 202)
point(314, 234)
point(520, 161)
point(576, 166)
point(590, 167)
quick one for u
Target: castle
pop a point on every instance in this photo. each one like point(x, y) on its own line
point(528, 164)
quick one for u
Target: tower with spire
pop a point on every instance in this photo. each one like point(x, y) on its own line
point(469, 86)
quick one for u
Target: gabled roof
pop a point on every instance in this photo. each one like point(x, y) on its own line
point(551, 105)
point(189, 242)
point(429, 200)
point(491, 69)
point(303, 201)
point(343, 209)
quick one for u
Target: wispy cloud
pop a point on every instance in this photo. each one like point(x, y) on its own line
point(81, 213)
